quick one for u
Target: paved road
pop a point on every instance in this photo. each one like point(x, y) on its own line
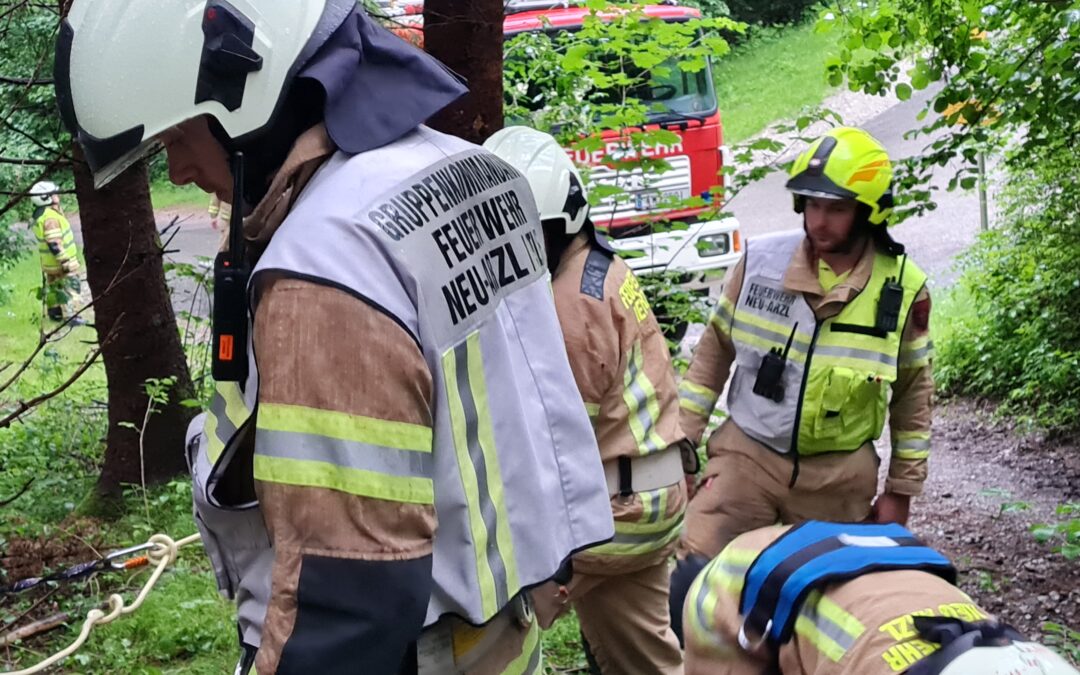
point(933, 240)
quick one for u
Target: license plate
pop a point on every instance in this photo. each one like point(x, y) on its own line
point(648, 200)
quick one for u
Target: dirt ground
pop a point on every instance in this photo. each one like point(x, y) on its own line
point(982, 473)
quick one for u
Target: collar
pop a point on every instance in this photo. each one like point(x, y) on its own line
point(580, 242)
point(308, 153)
point(802, 276)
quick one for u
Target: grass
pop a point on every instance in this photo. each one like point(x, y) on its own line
point(771, 77)
point(165, 195)
point(21, 316)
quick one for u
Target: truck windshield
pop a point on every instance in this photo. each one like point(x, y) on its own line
point(669, 93)
point(672, 93)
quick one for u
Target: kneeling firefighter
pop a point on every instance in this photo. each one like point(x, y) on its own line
point(623, 369)
point(395, 453)
point(845, 599)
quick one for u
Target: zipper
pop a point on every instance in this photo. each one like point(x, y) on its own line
point(799, 403)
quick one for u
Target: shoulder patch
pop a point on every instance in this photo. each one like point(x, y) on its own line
point(595, 273)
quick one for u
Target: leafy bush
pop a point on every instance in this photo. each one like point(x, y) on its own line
point(1020, 342)
point(758, 12)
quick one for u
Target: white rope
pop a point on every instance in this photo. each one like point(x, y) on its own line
point(162, 555)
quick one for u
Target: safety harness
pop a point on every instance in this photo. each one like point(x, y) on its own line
point(814, 554)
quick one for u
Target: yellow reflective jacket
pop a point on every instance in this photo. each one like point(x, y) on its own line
point(53, 231)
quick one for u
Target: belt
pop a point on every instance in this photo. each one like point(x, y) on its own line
point(628, 475)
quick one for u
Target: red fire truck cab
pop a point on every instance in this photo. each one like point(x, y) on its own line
point(638, 221)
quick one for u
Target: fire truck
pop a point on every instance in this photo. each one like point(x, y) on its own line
point(638, 220)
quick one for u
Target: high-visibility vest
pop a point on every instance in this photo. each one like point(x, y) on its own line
point(838, 371)
point(50, 264)
point(444, 238)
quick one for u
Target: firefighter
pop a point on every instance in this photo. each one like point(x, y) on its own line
point(407, 453)
point(623, 370)
point(219, 212)
point(819, 326)
point(57, 251)
point(879, 604)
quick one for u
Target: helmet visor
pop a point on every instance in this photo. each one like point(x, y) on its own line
point(820, 186)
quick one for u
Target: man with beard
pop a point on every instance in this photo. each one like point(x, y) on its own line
point(819, 325)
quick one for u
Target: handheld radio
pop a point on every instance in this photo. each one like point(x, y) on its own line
point(231, 274)
point(770, 376)
point(889, 302)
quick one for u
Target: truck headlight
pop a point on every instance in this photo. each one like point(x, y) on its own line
point(713, 245)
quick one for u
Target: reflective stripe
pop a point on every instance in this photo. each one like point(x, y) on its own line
point(343, 426)
point(346, 454)
point(831, 629)
point(745, 319)
point(725, 574)
point(359, 482)
point(474, 446)
point(227, 414)
point(640, 398)
point(722, 314)
point(914, 355)
point(641, 538)
point(799, 345)
point(911, 444)
point(875, 359)
point(495, 487)
point(696, 398)
point(50, 262)
point(654, 505)
point(700, 612)
point(528, 662)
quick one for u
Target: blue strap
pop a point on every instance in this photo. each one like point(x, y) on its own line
point(814, 554)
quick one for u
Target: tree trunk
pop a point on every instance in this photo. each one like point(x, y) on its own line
point(467, 35)
point(135, 320)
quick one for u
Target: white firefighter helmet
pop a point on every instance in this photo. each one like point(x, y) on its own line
point(42, 193)
point(1015, 658)
point(127, 70)
point(556, 184)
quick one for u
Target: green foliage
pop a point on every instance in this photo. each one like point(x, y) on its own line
point(1063, 534)
point(1007, 72)
point(756, 12)
point(617, 72)
point(620, 71)
point(563, 651)
point(1064, 639)
point(29, 127)
point(774, 75)
point(1020, 341)
point(184, 625)
point(769, 12)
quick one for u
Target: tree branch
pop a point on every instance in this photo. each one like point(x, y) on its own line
point(24, 81)
point(18, 161)
point(25, 406)
point(18, 494)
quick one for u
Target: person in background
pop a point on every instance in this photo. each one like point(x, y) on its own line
point(623, 370)
point(57, 252)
